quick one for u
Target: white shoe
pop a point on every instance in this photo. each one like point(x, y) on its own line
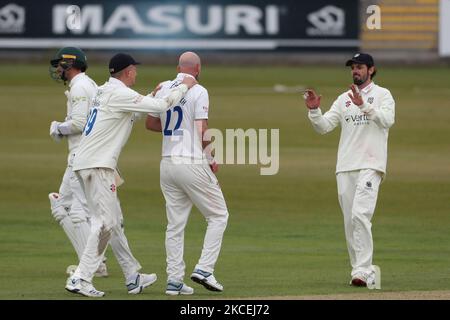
point(374, 279)
point(102, 271)
point(206, 279)
point(370, 280)
point(80, 286)
point(140, 282)
point(176, 288)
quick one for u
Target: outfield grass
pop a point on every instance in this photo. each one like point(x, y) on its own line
point(285, 234)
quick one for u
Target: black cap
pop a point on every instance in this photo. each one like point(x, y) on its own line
point(120, 61)
point(361, 58)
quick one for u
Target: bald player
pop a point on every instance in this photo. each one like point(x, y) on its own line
point(187, 178)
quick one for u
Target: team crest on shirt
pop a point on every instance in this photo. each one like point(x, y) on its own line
point(370, 100)
point(369, 185)
point(113, 187)
point(348, 103)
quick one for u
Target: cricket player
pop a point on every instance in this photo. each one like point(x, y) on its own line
point(187, 178)
point(106, 132)
point(365, 114)
point(69, 65)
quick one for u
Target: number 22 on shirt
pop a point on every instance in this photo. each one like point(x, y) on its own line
point(178, 114)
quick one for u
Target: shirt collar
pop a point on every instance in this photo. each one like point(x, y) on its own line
point(76, 78)
point(368, 87)
point(181, 75)
point(116, 82)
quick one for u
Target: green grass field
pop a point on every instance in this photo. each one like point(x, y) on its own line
point(285, 234)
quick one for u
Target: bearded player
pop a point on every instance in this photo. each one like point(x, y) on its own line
point(365, 114)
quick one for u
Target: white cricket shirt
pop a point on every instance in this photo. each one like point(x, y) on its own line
point(82, 90)
point(180, 135)
point(111, 120)
point(364, 132)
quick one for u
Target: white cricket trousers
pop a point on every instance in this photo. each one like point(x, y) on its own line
point(185, 184)
point(70, 193)
point(106, 224)
point(357, 193)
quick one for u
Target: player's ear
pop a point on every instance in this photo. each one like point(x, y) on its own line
point(372, 72)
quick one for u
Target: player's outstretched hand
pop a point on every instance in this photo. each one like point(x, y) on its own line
point(189, 81)
point(312, 100)
point(355, 96)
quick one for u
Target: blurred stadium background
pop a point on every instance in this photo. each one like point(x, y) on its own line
point(285, 234)
point(282, 31)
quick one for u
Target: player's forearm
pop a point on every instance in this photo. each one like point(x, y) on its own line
point(384, 116)
point(160, 105)
point(384, 119)
point(205, 143)
point(153, 124)
point(202, 127)
point(78, 124)
point(141, 104)
point(131, 101)
point(73, 126)
point(77, 118)
point(319, 122)
point(208, 151)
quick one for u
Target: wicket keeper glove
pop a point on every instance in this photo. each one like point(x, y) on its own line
point(54, 132)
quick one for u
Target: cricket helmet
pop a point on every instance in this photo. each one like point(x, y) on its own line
point(67, 57)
